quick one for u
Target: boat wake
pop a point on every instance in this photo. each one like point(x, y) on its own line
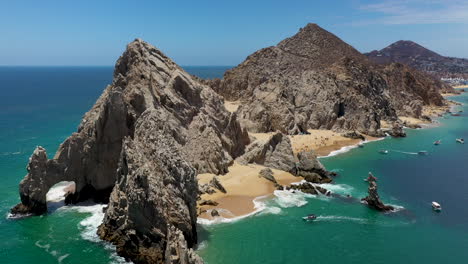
point(339, 218)
point(405, 152)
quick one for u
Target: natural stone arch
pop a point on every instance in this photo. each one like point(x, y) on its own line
point(57, 195)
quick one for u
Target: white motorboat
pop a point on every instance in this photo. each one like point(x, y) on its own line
point(436, 206)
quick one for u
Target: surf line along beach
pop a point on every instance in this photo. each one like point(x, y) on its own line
point(245, 190)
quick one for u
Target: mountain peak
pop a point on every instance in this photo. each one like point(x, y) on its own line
point(318, 44)
point(413, 54)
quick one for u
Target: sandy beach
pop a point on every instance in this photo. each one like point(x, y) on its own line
point(461, 86)
point(243, 185)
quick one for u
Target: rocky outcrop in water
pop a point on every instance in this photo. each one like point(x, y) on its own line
point(373, 199)
point(314, 80)
point(309, 188)
point(148, 135)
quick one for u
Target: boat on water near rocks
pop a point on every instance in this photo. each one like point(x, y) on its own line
point(437, 142)
point(436, 207)
point(422, 152)
point(383, 151)
point(460, 140)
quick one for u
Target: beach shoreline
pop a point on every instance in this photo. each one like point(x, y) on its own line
point(244, 187)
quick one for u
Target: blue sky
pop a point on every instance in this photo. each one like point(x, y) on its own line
point(200, 32)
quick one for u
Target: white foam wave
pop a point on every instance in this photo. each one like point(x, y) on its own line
point(57, 192)
point(90, 224)
point(340, 151)
point(289, 198)
point(271, 210)
point(397, 208)
point(342, 189)
point(348, 148)
point(259, 206)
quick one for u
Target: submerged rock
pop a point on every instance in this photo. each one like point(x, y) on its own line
point(373, 199)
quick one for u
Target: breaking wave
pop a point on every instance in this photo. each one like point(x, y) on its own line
point(287, 199)
point(348, 148)
point(88, 227)
point(259, 206)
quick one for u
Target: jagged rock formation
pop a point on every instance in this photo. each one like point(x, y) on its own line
point(315, 80)
point(307, 187)
point(373, 199)
point(217, 185)
point(156, 126)
point(421, 58)
point(309, 167)
point(275, 153)
point(353, 135)
point(267, 173)
point(154, 198)
point(397, 130)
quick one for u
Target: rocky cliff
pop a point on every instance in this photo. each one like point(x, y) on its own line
point(150, 132)
point(315, 80)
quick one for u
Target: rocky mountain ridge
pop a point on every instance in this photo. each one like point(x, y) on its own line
point(314, 80)
point(418, 57)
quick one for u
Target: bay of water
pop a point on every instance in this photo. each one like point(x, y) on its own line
point(44, 105)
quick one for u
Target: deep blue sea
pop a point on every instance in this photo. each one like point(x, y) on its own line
point(44, 105)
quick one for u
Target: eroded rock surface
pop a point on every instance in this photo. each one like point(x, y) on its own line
point(150, 131)
point(154, 198)
point(373, 199)
point(275, 153)
point(309, 167)
point(314, 80)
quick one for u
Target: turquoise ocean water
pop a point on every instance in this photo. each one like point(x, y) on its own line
point(43, 106)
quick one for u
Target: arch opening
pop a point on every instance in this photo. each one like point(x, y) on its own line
point(57, 194)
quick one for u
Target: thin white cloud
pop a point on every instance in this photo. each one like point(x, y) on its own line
point(403, 12)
